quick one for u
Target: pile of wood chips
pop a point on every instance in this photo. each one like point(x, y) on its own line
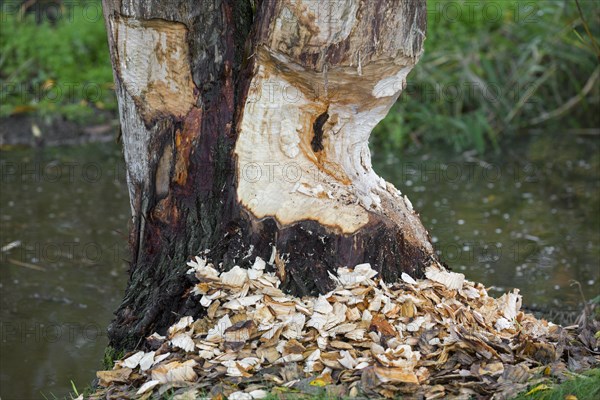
point(440, 337)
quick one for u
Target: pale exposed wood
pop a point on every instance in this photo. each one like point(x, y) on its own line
point(281, 172)
point(154, 64)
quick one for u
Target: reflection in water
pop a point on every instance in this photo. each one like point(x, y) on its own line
point(528, 219)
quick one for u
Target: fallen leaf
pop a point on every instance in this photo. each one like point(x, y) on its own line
point(175, 372)
point(451, 280)
point(395, 375)
point(147, 386)
point(134, 360)
point(538, 388)
point(115, 375)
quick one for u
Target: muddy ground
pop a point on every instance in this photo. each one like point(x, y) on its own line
point(23, 130)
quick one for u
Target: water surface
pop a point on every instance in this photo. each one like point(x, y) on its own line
point(69, 210)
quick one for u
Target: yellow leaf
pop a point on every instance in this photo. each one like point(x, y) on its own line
point(318, 382)
point(538, 388)
point(22, 109)
point(570, 397)
point(175, 372)
point(396, 375)
point(48, 84)
point(547, 371)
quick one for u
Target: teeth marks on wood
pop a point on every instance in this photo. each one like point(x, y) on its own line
point(317, 141)
point(152, 62)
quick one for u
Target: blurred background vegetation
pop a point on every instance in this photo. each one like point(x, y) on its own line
point(491, 70)
point(495, 69)
point(54, 60)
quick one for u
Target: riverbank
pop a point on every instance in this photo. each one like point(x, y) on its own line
point(33, 131)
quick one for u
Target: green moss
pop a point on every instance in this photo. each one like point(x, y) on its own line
point(110, 356)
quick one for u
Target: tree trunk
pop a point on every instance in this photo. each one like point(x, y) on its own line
point(245, 132)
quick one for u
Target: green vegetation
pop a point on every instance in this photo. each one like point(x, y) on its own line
point(88, 391)
point(582, 387)
point(492, 69)
point(57, 67)
point(110, 356)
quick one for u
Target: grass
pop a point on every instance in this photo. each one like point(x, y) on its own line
point(491, 70)
point(582, 387)
point(86, 392)
point(108, 361)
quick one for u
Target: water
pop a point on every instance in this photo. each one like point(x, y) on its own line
point(528, 218)
point(69, 209)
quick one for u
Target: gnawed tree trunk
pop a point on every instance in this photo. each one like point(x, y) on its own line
point(246, 133)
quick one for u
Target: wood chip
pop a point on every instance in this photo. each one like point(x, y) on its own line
point(442, 333)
